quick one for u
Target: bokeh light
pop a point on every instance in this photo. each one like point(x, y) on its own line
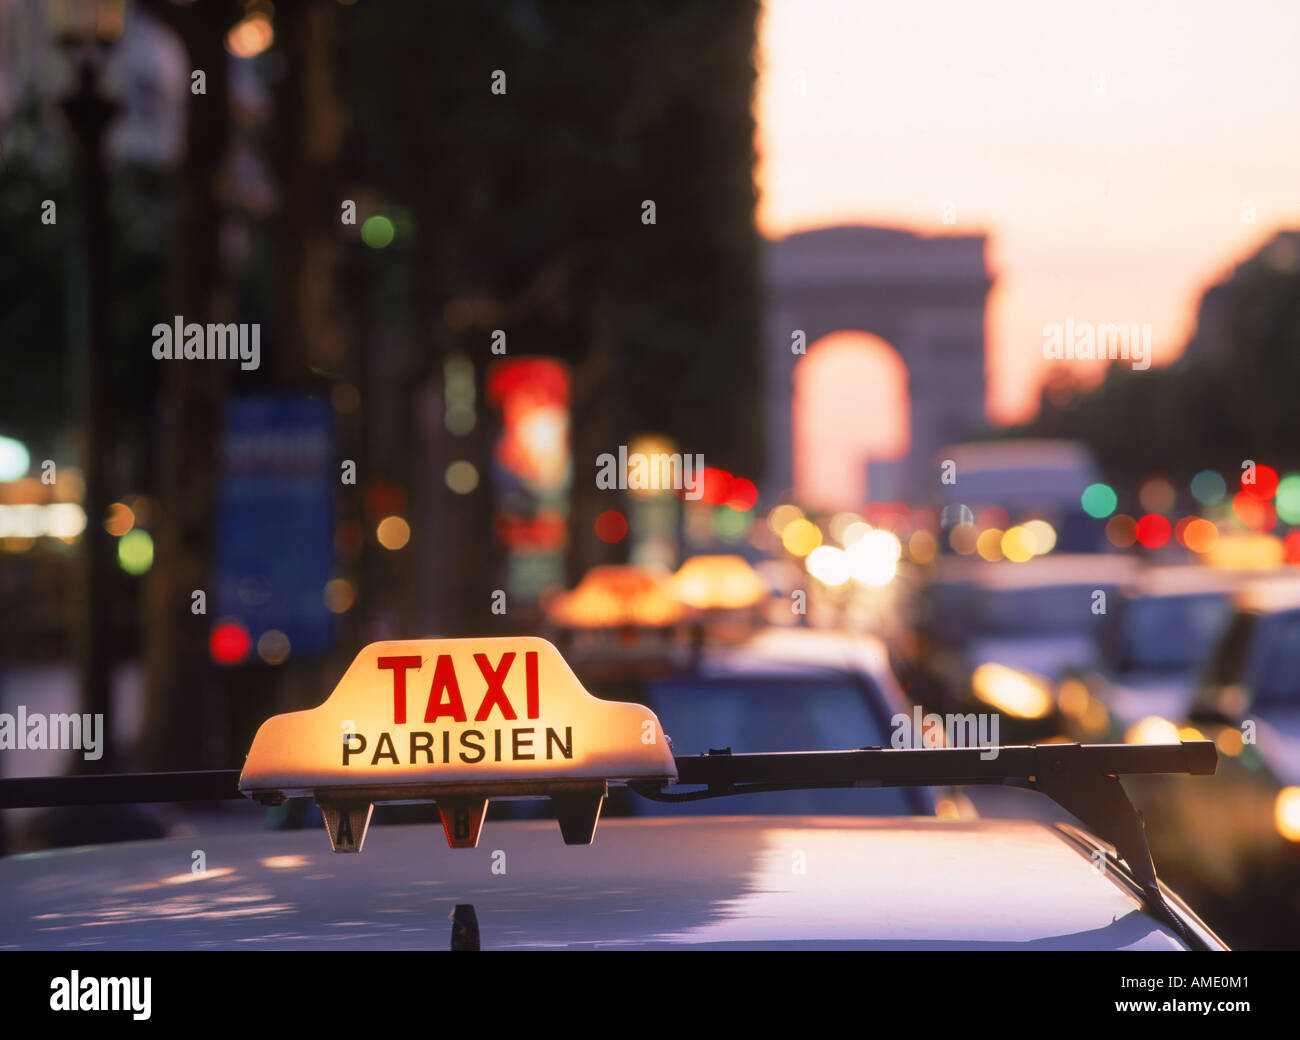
point(119, 520)
point(1256, 513)
point(962, 539)
point(1153, 530)
point(462, 476)
point(1098, 500)
point(1208, 488)
point(782, 516)
point(1041, 536)
point(339, 595)
point(1200, 535)
point(1017, 545)
point(1156, 495)
point(801, 537)
point(377, 232)
point(1288, 498)
point(1121, 530)
point(611, 526)
point(229, 642)
point(14, 459)
point(393, 532)
point(1265, 484)
point(828, 565)
point(273, 646)
point(873, 559)
point(135, 551)
point(989, 545)
point(922, 547)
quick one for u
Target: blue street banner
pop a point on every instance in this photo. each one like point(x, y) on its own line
point(275, 541)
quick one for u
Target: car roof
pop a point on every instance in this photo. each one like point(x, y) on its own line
point(1182, 580)
point(739, 882)
point(1271, 594)
point(1055, 569)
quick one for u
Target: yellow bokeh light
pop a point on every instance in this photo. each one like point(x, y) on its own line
point(1073, 698)
point(922, 547)
point(782, 516)
point(1040, 536)
point(1229, 742)
point(393, 532)
point(1011, 690)
point(462, 477)
point(724, 582)
point(1017, 545)
point(615, 596)
point(800, 537)
point(1152, 730)
point(989, 545)
point(1286, 813)
point(340, 594)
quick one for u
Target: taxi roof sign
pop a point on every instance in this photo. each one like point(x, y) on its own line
point(457, 722)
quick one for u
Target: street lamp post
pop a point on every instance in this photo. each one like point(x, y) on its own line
point(86, 30)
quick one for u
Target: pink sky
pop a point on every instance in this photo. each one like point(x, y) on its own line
point(1105, 148)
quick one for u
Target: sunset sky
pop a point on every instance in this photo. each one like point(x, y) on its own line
point(1105, 148)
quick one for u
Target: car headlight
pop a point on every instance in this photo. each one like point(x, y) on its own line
point(1286, 813)
point(1022, 694)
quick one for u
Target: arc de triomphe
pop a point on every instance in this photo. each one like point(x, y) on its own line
point(924, 295)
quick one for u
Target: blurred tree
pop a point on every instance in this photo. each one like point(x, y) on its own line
point(526, 209)
point(1233, 400)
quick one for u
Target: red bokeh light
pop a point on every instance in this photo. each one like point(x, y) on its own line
point(743, 495)
point(1265, 486)
point(1153, 530)
point(715, 485)
point(229, 642)
point(1291, 547)
point(1253, 511)
point(611, 526)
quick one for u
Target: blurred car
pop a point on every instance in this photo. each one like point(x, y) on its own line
point(1158, 635)
point(1235, 843)
point(1005, 635)
point(775, 689)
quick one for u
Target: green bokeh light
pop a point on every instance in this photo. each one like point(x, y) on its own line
point(730, 525)
point(135, 551)
point(1098, 500)
point(1288, 498)
point(377, 232)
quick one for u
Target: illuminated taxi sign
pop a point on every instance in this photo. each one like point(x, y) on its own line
point(724, 582)
point(458, 722)
point(617, 596)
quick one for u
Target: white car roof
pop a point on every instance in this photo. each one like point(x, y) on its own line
point(697, 882)
point(1055, 569)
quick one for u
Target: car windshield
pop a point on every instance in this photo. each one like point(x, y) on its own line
point(1045, 610)
point(1277, 671)
point(1170, 633)
point(766, 713)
